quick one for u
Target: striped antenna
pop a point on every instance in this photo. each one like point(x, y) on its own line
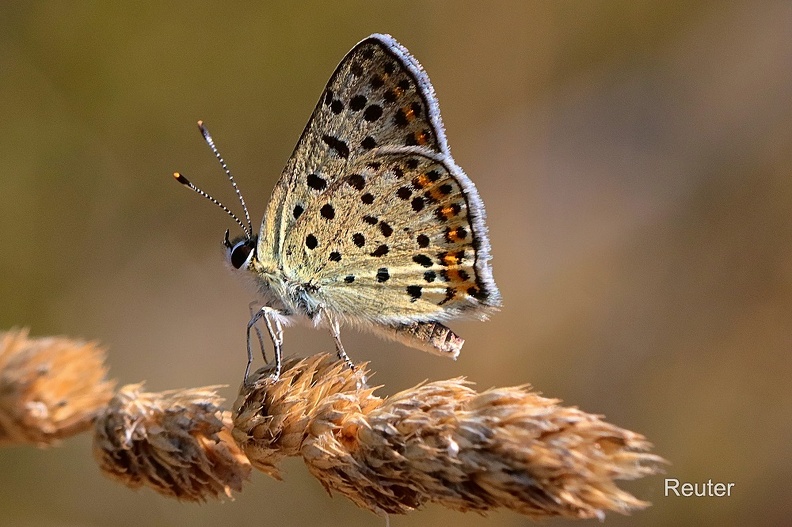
point(208, 138)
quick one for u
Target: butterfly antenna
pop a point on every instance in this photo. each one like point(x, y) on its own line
point(186, 182)
point(208, 138)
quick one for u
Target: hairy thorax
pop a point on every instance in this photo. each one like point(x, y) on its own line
point(278, 291)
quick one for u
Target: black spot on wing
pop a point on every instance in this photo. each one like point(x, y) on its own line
point(368, 143)
point(357, 103)
point(382, 250)
point(414, 291)
point(298, 210)
point(327, 211)
point(356, 181)
point(423, 260)
point(372, 113)
point(386, 229)
point(316, 182)
point(340, 147)
point(376, 82)
point(358, 239)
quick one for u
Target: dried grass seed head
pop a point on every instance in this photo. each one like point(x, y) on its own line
point(50, 388)
point(176, 442)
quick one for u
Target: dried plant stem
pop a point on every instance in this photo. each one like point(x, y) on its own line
point(439, 442)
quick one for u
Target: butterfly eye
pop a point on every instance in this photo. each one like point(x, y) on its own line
point(240, 254)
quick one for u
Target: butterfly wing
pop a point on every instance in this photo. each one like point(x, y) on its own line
point(371, 214)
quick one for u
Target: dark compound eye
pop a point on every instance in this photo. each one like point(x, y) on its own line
point(240, 253)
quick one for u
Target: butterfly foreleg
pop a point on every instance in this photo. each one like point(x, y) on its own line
point(272, 318)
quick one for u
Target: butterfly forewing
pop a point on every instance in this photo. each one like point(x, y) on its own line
point(378, 97)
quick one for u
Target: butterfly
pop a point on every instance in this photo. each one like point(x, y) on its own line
point(372, 224)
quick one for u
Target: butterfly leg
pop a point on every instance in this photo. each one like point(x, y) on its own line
point(275, 329)
point(253, 307)
point(335, 330)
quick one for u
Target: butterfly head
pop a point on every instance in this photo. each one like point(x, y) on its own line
point(240, 251)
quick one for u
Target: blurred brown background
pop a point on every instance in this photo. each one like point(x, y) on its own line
point(634, 158)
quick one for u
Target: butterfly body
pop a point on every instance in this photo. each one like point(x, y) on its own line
point(372, 223)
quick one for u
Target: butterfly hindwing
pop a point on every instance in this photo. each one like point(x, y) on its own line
point(392, 240)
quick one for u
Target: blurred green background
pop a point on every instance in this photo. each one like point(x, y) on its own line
point(634, 158)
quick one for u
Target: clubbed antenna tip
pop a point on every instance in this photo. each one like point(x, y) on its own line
point(205, 133)
point(181, 179)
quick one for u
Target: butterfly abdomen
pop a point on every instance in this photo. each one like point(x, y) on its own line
point(427, 336)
